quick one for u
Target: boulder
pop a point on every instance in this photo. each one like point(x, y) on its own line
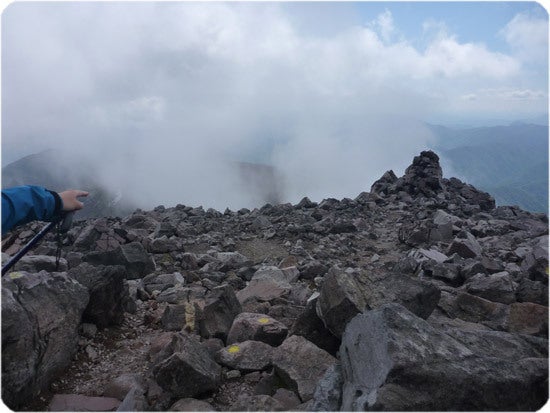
point(178, 316)
point(449, 273)
point(257, 327)
point(161, 282)
point(475, 309)
point(188, 370)
point(393, 360)
point(132, 256)
point(226, 261)
point(189, 261)
point(528, 318)
point(40, 317)
point(136, 260)
point(107, 293)
point(347, 293)
point(179, 294)
point(382, 185)
point(328, 393)
point(163, 244)
point(267, 284)
point(422, 177)
point(465, 245)
point(220, 309)
point(287, 398)
point(86, 238)
point(37, 263)
point(310, 326)
point(120, 386)
point(532, 291)
point(301, 364)
point(432, 254)
point(500, 344)
point(499, 287)
point(312, 269)
point(340, 300)
point(246, 356)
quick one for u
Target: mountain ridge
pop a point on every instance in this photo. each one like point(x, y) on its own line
point(187, 308)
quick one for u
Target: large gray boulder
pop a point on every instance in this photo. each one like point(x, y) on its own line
point(185, 368)
point(465, 245)
point(132, 256)
point(301, 364)
point(393, 360)
point(37, 263)
point(246, 356)
point(499, 287)
point(267, 284)
point(328, 392)
point(347, 293)
point(107, 291)
point(161, 282)
point(226, 261)
point(258, 327)
point(220, 309)
point(40, 317)
point(136, 260)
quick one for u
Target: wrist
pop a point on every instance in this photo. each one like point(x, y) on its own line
point(58, 202)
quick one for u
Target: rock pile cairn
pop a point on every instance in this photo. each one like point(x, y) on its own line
point(418, 295)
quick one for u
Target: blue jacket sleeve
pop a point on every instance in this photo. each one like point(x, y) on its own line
point(23, 204)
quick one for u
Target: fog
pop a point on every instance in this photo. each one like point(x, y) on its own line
point(156, 100)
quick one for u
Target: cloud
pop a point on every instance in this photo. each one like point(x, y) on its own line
point(162, 95)
point(384, 23)
point(528, 37)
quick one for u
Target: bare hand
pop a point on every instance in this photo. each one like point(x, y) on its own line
point(70, 201)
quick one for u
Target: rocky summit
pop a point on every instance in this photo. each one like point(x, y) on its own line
point(418, 295)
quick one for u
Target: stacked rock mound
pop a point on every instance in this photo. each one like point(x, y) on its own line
point(417, 295)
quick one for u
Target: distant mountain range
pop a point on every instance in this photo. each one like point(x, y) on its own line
point(46, 169)
point(509, 162)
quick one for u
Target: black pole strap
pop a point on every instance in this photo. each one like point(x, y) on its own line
point(13, 260)
point(67, 219)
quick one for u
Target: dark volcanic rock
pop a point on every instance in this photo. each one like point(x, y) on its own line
point(189, 370)
point(136, 260)
point(499, 287)
point(220, 309)
point(246, 356)
point(107, 293)
point(423, 177)
point(301, 364)
point(346, 293)
point(258, 327)
point(40, 317)
point(393, 360)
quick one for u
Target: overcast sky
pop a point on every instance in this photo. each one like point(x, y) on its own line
point(332, 94)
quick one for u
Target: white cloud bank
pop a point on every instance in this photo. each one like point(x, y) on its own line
point(160, 94)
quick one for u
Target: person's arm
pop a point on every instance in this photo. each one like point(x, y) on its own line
point(28, 203)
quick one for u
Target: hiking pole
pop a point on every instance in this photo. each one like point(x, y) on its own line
point(66, 218)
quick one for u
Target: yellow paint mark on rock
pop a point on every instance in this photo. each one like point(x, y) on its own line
point(16, 274)
point(233, 349)
point(189, 318)
point(263, 320)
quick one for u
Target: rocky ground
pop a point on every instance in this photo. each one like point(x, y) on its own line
point(417, 295)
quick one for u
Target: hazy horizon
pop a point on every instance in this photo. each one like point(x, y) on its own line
point(158, 96)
